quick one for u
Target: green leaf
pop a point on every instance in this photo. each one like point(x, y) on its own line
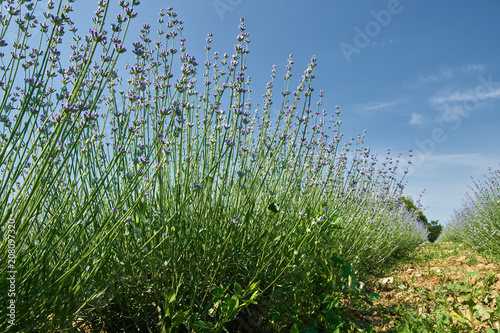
point(237, 288)
point(253, 286)
point(294, 329)
point(218, 293)
point(171, 295)
point(307, 329)
point(254, 295)
point(459, 316)
point(457, 286)
point(337, 223)
point(229, 306)
point(445, 318)
point(193, 262)
point(249, 302)
point(202, 324)
point(179, 318)
point(472, 274)
point(482, 311)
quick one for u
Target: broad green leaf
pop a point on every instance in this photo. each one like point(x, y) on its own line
point(179, 317)
point(472, 274)
point(445, 318)
point(254, 295)
point(294, 329)
point(248, 302)
point(253, 286)
point(482, 311)
point(229, 306)
point(238, 288)
point(218, 293)
point(459, 317)
point(171, 295)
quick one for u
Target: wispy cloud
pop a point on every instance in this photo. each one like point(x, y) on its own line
point(478, 93)
point(436, 77)
point(377, 106)
point(374, 106)
point(390, 41)
point(457, 103)
point(416, 119)
point(472, 68)
point(447, 73)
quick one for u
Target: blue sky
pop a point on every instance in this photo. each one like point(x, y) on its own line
point(421, 75)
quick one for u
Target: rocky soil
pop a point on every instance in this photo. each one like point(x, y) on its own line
point(440, 282)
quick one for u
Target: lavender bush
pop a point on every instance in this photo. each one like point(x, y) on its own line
point(477, 222)
point(163, 203)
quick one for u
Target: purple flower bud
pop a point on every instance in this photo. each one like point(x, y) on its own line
point(129, 12)
point(120, 48)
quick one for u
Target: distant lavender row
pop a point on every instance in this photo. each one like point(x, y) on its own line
point(477, 222)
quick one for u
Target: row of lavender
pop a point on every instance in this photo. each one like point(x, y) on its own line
point(161, 201)
point(477, 222)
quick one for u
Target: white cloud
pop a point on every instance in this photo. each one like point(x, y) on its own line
point(436, 77)
point(372, 106)
point(478, 93)
point(472, 68)
point(447, 73)
point(391, 41)
point(416, 119)
point(376, 106)
point(459, 103)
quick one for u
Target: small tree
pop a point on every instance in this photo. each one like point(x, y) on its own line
point(434, 227)
point(434, 230)
point(410, 205)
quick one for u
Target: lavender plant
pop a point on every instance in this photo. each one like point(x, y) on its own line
point(160, 202)
point(477, 222)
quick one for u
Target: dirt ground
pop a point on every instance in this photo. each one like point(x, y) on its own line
point(440, 277)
